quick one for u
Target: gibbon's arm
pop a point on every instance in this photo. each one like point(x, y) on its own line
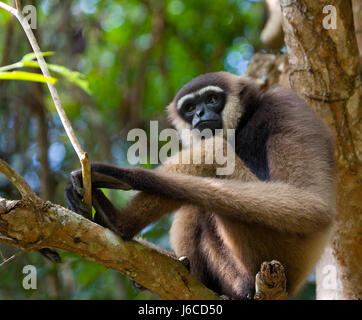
point(143, 208)
point(275, 205)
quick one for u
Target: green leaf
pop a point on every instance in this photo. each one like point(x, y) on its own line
point(72, 76)
point(27, 76)
point(31, 56)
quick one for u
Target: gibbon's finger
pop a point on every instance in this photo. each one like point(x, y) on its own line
point(75, 201)
point(77, 181)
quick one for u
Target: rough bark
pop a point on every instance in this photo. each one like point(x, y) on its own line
point(30, 227)
point(324, 70)
point(357, 17)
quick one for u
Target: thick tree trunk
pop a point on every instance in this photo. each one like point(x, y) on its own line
point(357, 17)
point(324, 69)
point(322, 66)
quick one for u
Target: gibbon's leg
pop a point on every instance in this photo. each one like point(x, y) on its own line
point(234, 280)
point(220, 266)
point(194, 234)
point(275, 205)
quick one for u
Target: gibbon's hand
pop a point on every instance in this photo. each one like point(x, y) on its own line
point(74, 197)
point(103, 176)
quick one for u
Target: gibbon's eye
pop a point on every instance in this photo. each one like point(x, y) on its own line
point(211, 99)
point(189, 108)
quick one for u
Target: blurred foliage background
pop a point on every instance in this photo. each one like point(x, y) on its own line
point(135, 56)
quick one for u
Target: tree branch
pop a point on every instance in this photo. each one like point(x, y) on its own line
point(32, 225)
point(19, 182)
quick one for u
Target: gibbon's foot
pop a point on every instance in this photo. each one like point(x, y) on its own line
point(185, 261)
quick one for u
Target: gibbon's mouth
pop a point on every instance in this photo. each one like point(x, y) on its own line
point(208, 124)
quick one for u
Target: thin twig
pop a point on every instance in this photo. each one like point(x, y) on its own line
point(18, 5)
point(83, 156)
point(8, 8)
point(19, 182)
point(11, 258)
point(2, 256)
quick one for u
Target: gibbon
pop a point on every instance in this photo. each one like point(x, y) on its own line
point(279, 202)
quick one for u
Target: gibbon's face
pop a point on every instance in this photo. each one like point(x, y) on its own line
point(203, 109)
point(209, 101)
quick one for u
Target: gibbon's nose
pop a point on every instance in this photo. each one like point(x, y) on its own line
point(200, 110)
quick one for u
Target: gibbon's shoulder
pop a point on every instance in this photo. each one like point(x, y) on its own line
point(290, 113)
